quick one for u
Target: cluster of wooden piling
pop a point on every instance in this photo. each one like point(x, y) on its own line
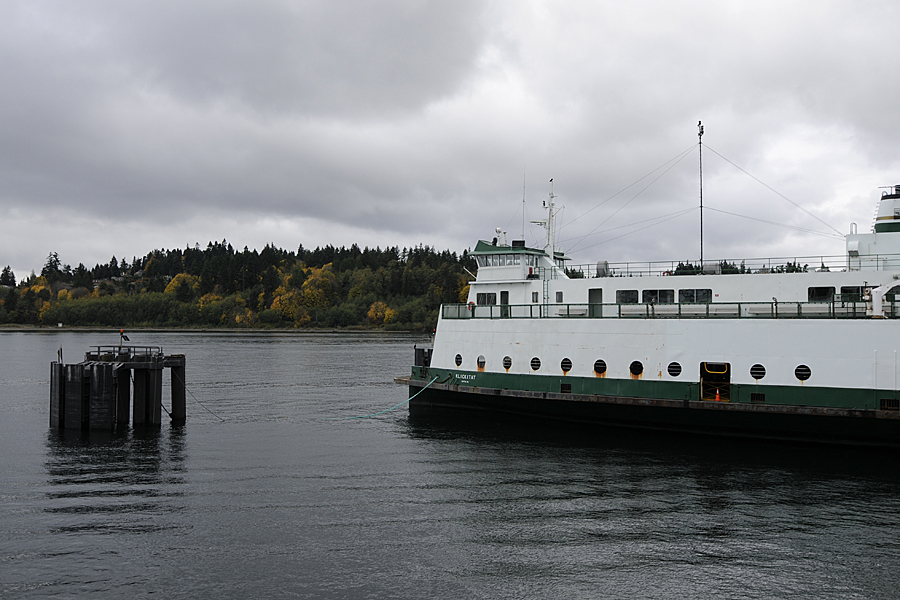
point(97, 393)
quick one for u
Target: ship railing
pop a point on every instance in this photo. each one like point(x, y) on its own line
point(835, 309)
point(122, 353)
point(781, 264)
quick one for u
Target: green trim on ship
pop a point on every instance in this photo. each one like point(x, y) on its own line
point(773, 395)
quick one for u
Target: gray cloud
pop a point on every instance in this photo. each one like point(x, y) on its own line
point(406, 122)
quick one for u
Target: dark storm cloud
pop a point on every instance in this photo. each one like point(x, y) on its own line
point(159, 124)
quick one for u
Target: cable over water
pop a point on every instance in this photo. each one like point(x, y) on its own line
point(387, 410)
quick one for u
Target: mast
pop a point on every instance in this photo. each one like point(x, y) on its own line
point(700, 143)
point(550, 205)
point(523, 204)
point(550, 236)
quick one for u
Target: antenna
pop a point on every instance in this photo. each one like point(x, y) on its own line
point(523, 203)
point(700, 142)
point(550, 236)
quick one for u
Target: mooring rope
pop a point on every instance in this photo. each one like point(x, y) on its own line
point(387, 410)
point(195, 397)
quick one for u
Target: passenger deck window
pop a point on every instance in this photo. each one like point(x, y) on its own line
point(701, 296)
point(626, 296)
point(820, 294)
point(486, 298)
point(851, 293)
point(658, 296)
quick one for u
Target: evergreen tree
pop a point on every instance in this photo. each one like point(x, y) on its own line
point(7, 277)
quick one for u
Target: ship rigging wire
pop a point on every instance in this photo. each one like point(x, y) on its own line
point(668, 165)
point(801, 229)
point(770, 188)
point(671, 164)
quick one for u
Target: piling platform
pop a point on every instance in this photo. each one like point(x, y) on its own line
point(99, 392)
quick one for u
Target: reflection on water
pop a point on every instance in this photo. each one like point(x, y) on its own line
point(112, 482)
point(284, 498)
point(666, 515)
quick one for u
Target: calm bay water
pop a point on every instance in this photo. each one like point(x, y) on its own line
point(270, 491)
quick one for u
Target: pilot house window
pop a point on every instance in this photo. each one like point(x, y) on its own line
point(486, 298)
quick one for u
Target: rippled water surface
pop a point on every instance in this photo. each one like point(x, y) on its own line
point(269, 491)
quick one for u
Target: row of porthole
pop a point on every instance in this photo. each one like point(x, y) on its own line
point(757, 371)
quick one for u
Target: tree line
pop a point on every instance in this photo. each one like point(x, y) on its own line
point(218, 286)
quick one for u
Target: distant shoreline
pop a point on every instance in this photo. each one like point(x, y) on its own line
point(99, 329)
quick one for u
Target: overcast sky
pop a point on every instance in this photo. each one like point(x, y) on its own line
point(129, 126)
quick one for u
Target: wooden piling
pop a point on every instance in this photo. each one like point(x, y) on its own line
point(179, 409)
point(102, 414)
point(57, 395)
point(74, 410)
point(123, 396)
point(140, 396)
point(95, 393)
point(154, 397)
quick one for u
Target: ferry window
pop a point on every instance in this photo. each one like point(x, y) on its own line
point(486, 298)
point(458, 359)
point(529, 260)
point(480, 361)
point(700, 296)
point(599, 366)
point(565, 365)
point(820, 294)
point(658, 296)
point(501, 260)
point(495, 260)
point(674, 369)
point(559, 297)
point(636, 368)
point(534, 297)
point(535, 363)
point(516, 259)
point(626, 296)
point(851, 293)
point(802, 372)
point(507, 363)
point(757, 371)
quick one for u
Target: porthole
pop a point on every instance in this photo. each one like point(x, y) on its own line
point(674, 369)
point(507, 363)
point(636, 368)
point(802, 372)
point(600, 366)
point(535, 363)
point(458, 360)
point(758, 371)
point(565, 365)
point(480, 361)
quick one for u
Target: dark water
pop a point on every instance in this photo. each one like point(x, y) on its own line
point(286, 499)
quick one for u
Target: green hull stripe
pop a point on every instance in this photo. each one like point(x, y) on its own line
point(796, 395)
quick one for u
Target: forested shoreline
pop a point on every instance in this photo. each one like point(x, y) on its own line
point(216, 286)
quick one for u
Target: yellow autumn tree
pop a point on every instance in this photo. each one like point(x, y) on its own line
point(290, 303)
point(320, 288)
point(191, 280)
point(380, 313)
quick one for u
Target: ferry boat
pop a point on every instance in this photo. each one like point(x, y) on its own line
point(789, 351)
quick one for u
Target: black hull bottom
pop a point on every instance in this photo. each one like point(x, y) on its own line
point(705, 418)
